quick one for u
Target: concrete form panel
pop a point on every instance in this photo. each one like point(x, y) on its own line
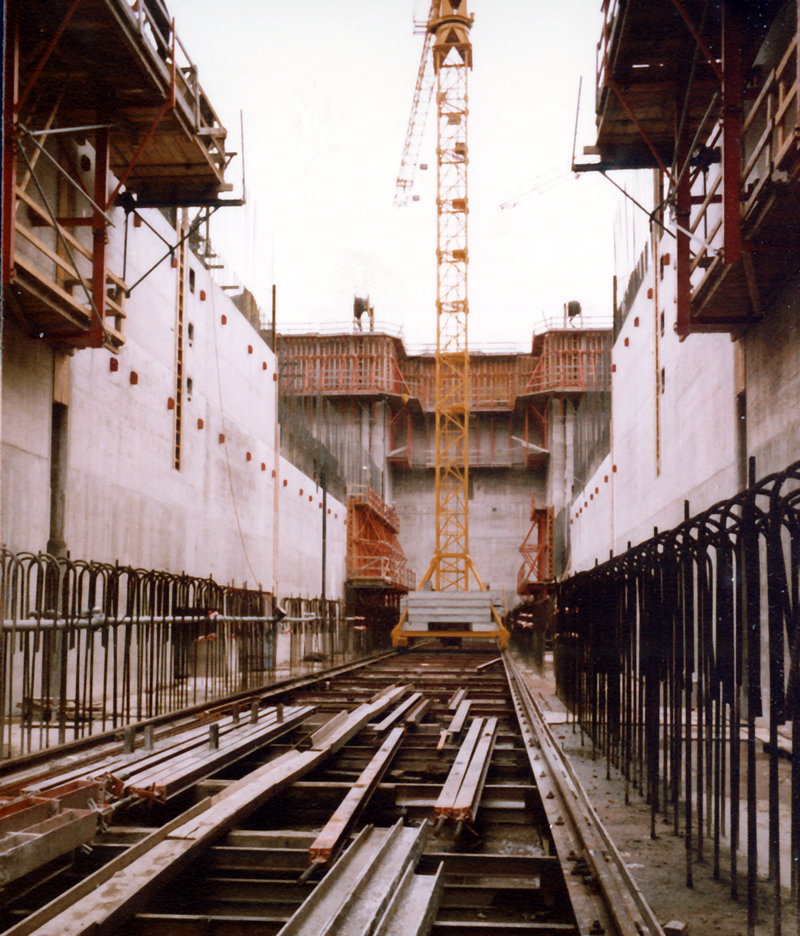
point(124, 498)
point(772, 369)
point(674, 429)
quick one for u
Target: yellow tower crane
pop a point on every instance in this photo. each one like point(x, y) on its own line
point(461, 615)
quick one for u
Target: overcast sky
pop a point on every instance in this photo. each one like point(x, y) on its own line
point(325, 88)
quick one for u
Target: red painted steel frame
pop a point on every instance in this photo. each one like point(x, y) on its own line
point(683, 210)
point(94, 339)
point(11, 71)
point(731, 130)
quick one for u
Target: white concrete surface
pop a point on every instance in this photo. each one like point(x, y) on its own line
point(124, 498)
point(673, 427)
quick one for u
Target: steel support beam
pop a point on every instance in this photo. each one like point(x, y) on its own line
point(683, 211)
point(330, 838)
point(731, 130)
point(10, 91)
point(99, 237)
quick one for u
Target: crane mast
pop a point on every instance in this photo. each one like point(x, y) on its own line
point(458, 613)
point(449, 28)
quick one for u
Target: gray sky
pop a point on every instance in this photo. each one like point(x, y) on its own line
point(325, 87)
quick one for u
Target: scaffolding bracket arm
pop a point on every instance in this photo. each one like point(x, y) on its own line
point(200, 221)
point(622, 99)
point(698, 38)
point(45, 57)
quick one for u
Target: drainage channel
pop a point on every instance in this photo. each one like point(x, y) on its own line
point(418, 793)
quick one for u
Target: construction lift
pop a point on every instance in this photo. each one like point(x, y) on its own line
point(444, 602)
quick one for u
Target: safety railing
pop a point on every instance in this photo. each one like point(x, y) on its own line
point(365, 495)
point(87, 647)
point(606, 48)
point(769, 173)
point(681, 659)
point(390, 569)
point(169, 56)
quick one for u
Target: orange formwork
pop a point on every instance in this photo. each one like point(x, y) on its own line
point(537, 571)
point(374, 556)
point(376, 364)
point(358, 364)
point(568, 361)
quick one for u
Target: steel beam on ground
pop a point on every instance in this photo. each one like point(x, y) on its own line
point(116, 900)
point(452, 785)
point(356, 891)
point(328, 841)
point(398, 713)
point(460, 716)
point(23, 852)
point(469, 795)
point(456, 723)
point(419, 711)
point(414, 906)
point(89, 885)
point(457, 698)
point(169, 924)
point(172, 776)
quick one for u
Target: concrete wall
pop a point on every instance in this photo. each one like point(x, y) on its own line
point(27, 405)
point(300, 538)
point(673, 426)
point(677, 437)
point(772, 375)
point(499, 520)
point(124, 499)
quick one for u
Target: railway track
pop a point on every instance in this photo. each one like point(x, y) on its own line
point(418, 792)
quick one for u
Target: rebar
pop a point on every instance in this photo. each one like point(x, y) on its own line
point(87, 647)
point(683, 628)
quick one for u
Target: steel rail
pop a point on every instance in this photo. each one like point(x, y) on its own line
point(263, 693)
point(624, 900)
point(574, 829)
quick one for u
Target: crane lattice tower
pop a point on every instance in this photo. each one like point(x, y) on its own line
point(451, 565)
